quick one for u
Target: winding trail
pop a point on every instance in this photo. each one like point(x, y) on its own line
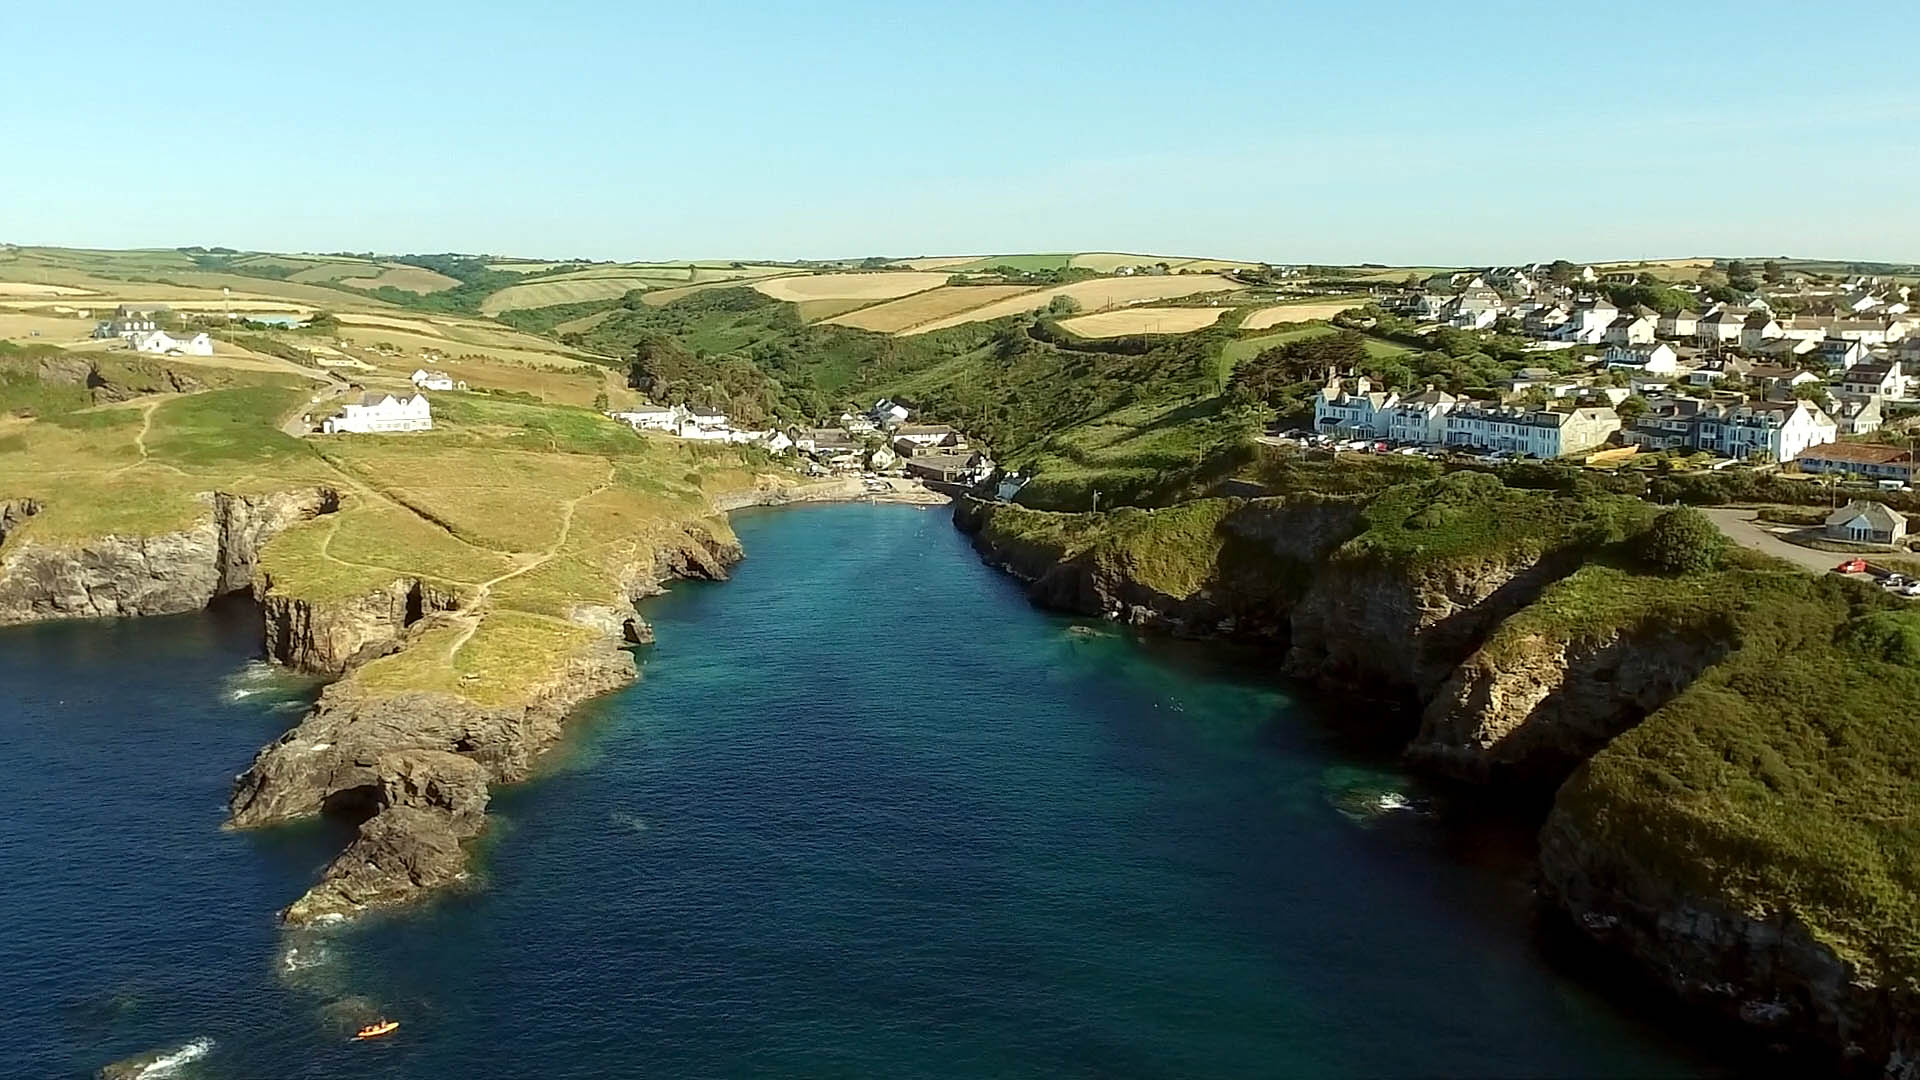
point(470, 611)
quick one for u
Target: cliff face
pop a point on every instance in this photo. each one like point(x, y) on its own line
point(1532, 710)
point(330, 638)
point(146, 575)
point(416, 767)
point(1761, 970)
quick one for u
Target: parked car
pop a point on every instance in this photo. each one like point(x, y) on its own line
point(1852, 566)
point(1912, 588)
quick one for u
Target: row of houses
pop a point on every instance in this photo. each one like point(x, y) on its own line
point(1359, 410)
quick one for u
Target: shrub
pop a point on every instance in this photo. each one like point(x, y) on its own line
point(1682, 541)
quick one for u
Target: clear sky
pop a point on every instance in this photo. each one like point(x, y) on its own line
point(1385, 132)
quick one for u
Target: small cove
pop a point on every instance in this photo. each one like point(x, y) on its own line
point(867, 813)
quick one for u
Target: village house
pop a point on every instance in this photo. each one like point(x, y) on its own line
point(1885, 378)
point(1863, 521)
point(1538, 433)
point(1631, 328)
point(1811, 328)
point(1545, 321)
point(1654, 359)
point(950, 468)
point(706, 425)
point(1869, 331)
point(924, 436)
point(1420, 419)
point(1772, 430)
point(1867, 460)
point(1841, 353)
point(161, 342)
point(1667, 424)
point(887, 411)
point(1708, 372)
point(377, 413)
point(128, 321)
point(824, 442)
point(652, 417)
point(1589, 322)
point(1681, 324)
point(858, 425)
point(1758, 329)
point(1355, 415)
point(1779, 380)
point(1721, 326)
point(1857, 415)
point(432, 380)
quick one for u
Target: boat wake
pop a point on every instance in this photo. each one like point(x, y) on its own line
point(172, 1061)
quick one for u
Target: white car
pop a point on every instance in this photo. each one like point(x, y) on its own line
point(1910, 589)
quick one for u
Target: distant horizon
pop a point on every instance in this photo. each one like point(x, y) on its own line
point(1397, 134)
point(773, 259)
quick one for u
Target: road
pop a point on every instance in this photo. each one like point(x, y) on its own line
point(1740, 527)
point(296, 424)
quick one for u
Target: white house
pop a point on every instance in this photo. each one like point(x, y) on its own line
point(1866, 522)
point(1630, 329)
point(432, 380)
point(1885, 379)
point(127, 321)
point(1539, 433)
point(376, 413)
point(159, 341)
point(889, 411)
point(1720, 326)
point(1655, 359)
point(1760, 328)
point(1359, 414)
point(1841, 353)
point(652, 417)
point(1419, 419)
point(1681, 324)
point(1775, 430)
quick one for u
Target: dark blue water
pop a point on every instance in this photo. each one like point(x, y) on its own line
point(868, 814)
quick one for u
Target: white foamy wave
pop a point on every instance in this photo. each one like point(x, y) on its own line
point(241, 694)
point(171, 1062)
point(297, 958)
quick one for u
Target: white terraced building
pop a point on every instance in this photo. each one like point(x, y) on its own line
point(379, 414)
point(159, 341)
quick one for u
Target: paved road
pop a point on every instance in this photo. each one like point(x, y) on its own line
point(1740, 527)
point(295, 424)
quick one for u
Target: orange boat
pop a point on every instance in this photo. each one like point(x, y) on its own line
point(374, 1031)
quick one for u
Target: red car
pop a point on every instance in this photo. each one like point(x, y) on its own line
point(1852, 566)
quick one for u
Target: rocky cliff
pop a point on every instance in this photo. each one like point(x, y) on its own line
point(1530, 711)
point(415, 768)
point(144, 575)
point(328, 638)
point(1527, 656)
point(1758, 969)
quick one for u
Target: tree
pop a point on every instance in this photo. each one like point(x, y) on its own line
point(1740, 276)
point(1560, 272)
point(1682, 541)
point(1063, 305)
point(1770, 270)
point(1631, 409)
point(1816, 393)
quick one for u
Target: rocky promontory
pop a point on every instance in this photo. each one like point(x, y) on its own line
point(1728, 750)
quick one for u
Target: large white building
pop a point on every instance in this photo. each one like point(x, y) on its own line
point(1539, 433)
point(1356, 415)
point(1420, 419)
point(159, 341)
point(377, 413)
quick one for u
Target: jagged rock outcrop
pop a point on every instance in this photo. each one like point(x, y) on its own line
point(1530, 711)
point(415, 766)
point(429, 802)
point(1761, 970)
point(147, 575)
point(1388, 630)
point(328, 638)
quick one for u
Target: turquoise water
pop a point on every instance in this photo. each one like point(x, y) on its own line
point(867, 814)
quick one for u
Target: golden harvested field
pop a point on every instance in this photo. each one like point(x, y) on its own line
point(566, 290)
point(876, 286)
point(53, 329)
point(392, 322)
point(584, 323)
point(32, 288)
point(1295, 313)
point(1106, 262)
point(910, 311)
point(413, 345)
point(939, 262)
point(417, 279)
point(1091, 295)
point(1144, 320)
point(1209, 265)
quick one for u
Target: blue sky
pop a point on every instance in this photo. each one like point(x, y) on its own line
point(1395, 132)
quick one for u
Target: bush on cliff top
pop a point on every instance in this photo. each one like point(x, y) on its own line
point(1682, 541)
point(1466, 515)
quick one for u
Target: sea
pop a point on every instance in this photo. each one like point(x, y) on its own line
point(867, 813)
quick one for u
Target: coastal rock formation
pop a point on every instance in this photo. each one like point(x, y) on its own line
point(428, 803)
point(414, 767)
point(1530, 711)
point(146, 575)
point(1759, 969)
point(330, 638)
